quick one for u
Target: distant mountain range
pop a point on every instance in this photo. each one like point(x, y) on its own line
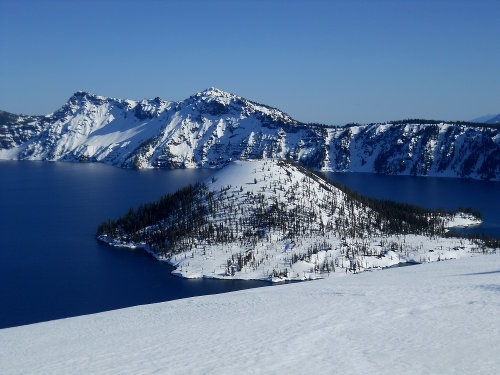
point(488, 119)
point(213, 127)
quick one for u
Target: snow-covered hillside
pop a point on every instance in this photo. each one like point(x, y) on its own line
point(274, 220)
point(213, 127)
point(436, 318)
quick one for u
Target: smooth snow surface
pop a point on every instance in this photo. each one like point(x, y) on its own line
point(435, 318)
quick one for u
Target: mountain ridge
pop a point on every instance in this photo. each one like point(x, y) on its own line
point(213, 127)
point(488, 119)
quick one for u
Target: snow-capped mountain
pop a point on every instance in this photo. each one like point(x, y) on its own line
point(213, 127)
point(273, 220)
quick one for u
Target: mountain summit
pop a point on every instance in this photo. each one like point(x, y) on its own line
point(213, 127)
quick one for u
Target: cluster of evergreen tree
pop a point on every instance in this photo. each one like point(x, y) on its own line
point(161, 223)
point(397, 218)
point(416, 121)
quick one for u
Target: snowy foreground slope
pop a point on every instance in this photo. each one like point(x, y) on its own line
point(274, 220)
point(213, 127)
point(435, 318)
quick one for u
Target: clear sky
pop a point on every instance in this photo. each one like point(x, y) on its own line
point(329, 62)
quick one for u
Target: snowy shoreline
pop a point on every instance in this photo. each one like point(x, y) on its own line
point(391, 260)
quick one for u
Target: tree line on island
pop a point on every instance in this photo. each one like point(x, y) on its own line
point(181, 221)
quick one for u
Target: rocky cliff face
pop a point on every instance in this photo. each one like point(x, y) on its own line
point(213, 127)
point(420, 149)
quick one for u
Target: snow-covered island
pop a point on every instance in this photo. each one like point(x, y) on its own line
point(274, 220)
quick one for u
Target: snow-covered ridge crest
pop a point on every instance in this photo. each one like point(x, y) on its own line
point(214, 127)
point(274, 220)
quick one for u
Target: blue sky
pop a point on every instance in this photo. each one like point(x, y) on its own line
point(329, 62)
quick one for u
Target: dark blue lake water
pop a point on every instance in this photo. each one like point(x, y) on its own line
point(432, 192)
point(51, 265)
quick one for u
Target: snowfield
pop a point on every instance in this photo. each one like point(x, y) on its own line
point(434, 318)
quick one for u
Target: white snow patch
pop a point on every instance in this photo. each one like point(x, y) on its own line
point(439, 318)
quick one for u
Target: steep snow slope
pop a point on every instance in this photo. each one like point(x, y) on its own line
point(436, 318)
point(207, 129)
point(276, 221)
point(416, 149)
point(213, 127)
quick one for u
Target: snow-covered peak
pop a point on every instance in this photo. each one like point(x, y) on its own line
point(212, 93)
point(85, 95)
point(80, 93)
point(216, 102)
point(86, 101)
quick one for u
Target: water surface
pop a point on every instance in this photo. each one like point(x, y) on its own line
point(432, 192)
point(52, 266)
